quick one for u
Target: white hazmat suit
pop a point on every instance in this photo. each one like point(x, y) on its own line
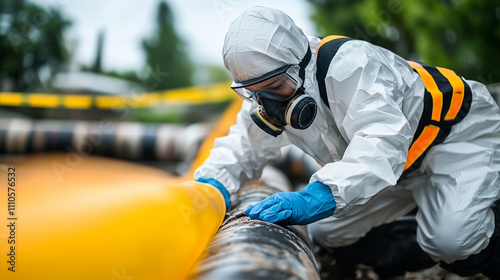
point(361, 138)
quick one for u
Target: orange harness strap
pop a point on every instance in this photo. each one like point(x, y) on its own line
point(447, 99)
point(441, 84)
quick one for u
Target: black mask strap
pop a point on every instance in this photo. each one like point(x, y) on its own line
point(303, 63)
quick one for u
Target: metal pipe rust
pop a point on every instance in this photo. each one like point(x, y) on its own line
point(253, 249)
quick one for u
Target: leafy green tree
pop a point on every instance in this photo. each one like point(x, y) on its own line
point(165, 53)
point(463, 35)
point(31, 44)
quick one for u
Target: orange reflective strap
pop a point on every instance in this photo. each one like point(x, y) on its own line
point(432, 88)
point(458, 92)
point(330, 38)
point(429, 133)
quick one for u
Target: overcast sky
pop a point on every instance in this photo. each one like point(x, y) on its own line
point(201, 23)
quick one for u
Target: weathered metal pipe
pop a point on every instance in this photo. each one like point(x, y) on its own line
point(134, 141)
point(125, 140)
point(252, 249)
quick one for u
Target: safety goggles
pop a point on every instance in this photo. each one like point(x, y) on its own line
point(287, 75)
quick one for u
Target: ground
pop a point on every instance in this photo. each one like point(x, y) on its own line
point(434, 273)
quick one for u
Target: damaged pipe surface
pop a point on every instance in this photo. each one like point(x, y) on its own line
point(253, 249)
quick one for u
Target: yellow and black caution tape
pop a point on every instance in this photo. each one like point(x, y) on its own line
point(196, 95)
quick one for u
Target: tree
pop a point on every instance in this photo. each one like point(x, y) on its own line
point(31, 44)
point(463, 35)
point(165, 52)
point(97, 66)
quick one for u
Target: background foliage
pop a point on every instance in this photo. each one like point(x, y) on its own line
point(165, 52)
point(31, 43)
point(463, 35)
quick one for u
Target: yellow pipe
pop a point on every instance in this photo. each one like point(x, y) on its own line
point(77, 216)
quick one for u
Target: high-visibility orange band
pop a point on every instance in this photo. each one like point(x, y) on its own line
point(429, 133)
point(458, 92)
point(432, 88)
point(330, 38)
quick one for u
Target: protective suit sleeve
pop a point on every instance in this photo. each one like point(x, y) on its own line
point(241, 155)
point(366, 87)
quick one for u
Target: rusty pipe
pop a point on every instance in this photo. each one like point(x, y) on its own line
point(252, 249)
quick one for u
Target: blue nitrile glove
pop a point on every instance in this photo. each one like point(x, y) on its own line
point(313, 203)
point(220, 187)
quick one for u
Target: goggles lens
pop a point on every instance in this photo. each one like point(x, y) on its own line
point(285, 81)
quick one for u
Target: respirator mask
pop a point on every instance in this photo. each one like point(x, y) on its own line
point(280, 102)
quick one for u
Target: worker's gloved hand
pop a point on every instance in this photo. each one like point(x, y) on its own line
point(220, 187)
point(313, 203)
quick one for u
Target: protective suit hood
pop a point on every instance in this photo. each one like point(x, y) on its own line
point(261, 40)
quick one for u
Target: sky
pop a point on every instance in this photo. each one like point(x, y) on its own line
point(202, 24)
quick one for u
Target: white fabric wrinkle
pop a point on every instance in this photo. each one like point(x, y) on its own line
point(368, 101)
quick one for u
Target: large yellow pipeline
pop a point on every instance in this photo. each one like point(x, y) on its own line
point(69, 217)
point(103, 219)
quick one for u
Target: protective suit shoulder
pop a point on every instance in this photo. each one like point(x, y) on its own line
point(357, 55)
point(361, 67)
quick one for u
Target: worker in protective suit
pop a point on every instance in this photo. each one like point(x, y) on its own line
point(389, 134)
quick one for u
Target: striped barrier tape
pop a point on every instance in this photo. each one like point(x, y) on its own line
point(216, 93)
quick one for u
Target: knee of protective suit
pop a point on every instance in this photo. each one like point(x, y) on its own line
point(455, 235)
